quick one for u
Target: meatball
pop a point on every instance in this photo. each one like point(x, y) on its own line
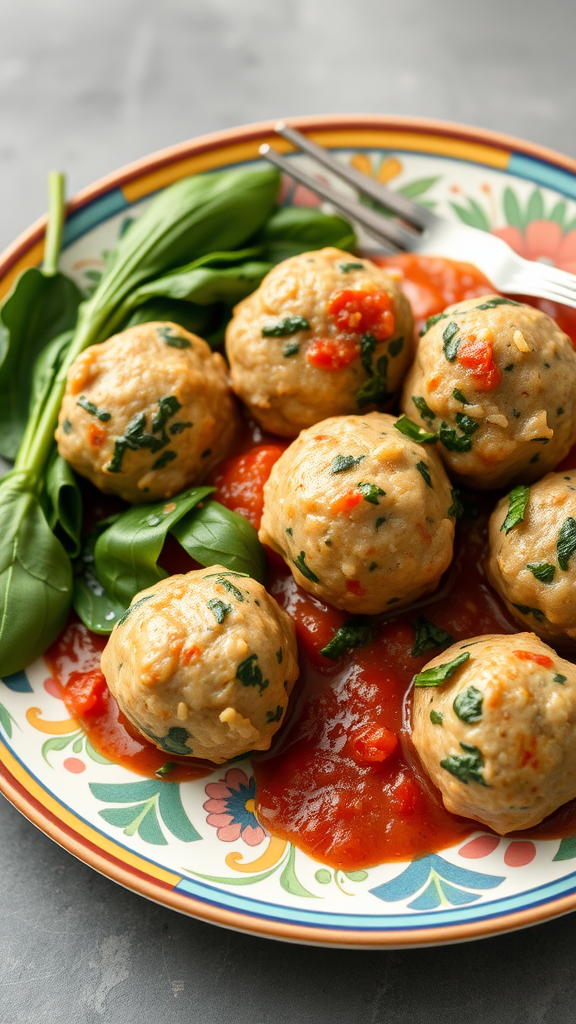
point(325, 334)
point(497, 381)
point(532, 561)
point(147, 413)
point(203, 664)
point(361, 514)
point(498, 736)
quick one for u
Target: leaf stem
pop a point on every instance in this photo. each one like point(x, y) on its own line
point(55, 227)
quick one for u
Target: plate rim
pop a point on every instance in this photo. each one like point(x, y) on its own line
point(28, 246)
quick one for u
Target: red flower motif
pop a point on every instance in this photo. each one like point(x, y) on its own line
point(545, 241)
point(231, 808)
point(518, 853)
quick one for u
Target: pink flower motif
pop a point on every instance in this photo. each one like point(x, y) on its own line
point(545, 241)
point(231, 808)
point(518, 853)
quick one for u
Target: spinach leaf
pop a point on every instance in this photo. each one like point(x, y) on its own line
point(467, 766)
point(198, 320)
point(94, 606)
point(566, 543)
point(213, 535)
point(544, 572)
point(414, 431)
point(436, 717)
point(291, 230)
point(283, 328)
point(46, 367)
point(126, 554)
point(517, 502)
point(440, 673)
point(63, 504)
point(423, 408)
point(342, 463)
point(424, 473)
point(39, 308)
point(451, 341)
point(357, 632)
point(468, 705)
point(428, 636)
point(35, 577)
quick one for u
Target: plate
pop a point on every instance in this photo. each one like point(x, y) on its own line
point(196, 846)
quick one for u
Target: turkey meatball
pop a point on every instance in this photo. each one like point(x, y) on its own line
point(325, 334)
point(361, 514)
point(203, 664)
point(496, 380)
point(532, 559)
point(494, 724)
point(147, 413)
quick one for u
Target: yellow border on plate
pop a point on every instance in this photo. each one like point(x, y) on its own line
point(80, 827)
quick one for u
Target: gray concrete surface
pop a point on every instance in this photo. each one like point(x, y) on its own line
point(87, 87)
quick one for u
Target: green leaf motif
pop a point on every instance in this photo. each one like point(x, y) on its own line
point(6, 720)
point(566, 850)
point(440, 673)
point(289, 880)
point(512, 209)
point(473, 215)
point(517, 504)
point(147, 804)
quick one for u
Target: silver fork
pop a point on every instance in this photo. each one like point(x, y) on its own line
point(421, 231)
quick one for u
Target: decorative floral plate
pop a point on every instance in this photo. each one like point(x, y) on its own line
point(197, 846)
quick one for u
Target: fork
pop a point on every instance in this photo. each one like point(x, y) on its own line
point(419, 230)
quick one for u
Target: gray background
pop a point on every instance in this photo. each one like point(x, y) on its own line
point(87, 86)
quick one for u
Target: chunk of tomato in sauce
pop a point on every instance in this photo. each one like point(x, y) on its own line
point(239, 480)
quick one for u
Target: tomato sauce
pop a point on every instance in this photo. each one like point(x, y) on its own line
point(341, 780)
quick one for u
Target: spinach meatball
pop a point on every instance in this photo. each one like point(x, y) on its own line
point(362, 515)
point(203, 664)
point(496, 381)
point(494, 724)
point(532, 556)
point(147, 413)
point(325, 334)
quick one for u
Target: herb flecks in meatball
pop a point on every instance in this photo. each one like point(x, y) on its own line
point(147, 413)
point(494, 724)
point(324, 335)
point(532, 556)
point(203, 664)
point(360, 513)
point(489, 379)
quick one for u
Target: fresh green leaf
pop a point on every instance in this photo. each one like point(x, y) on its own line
point(428, 636)
point(291, 230)
point(517, 504)
point(46, 367)
point(468, 705)
point(357, 632)
point(525, 609)
point(249, 673)
point(300, 563)
point(371, 492)
point(39, 309)
point(93, 605)
point(342, 463)
point(423, 408)
point(63, 507)
point(451, 341)
point(566, 543)
point(414, 431)
point(213, 535)
point(460, 397)
point(35, 577)
point(126, 554)
point(198, 320)
point(467, 766)
point(283, 328)
point(440, 673)
point(543, 571)
point(424, 473)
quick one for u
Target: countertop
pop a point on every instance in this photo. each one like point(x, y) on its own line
point(87, 87)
